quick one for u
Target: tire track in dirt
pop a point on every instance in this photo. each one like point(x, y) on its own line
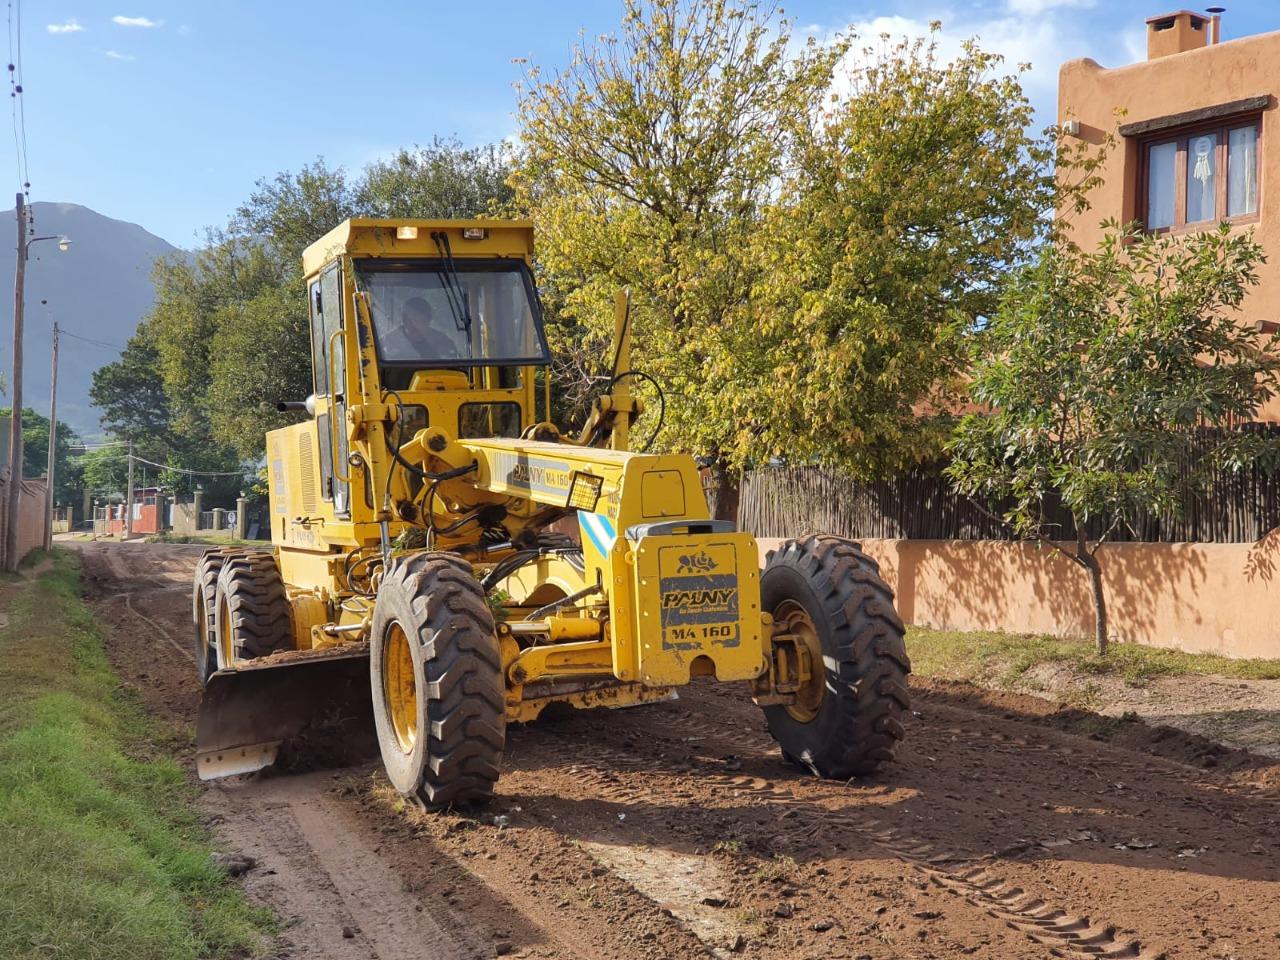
point(682, 884)
point(981, 883)
point(357, 906)
point(128, 602)
point(616, 836)
point(324, 863)
point(1039, 919)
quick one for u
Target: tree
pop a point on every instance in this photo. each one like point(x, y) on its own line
point(130, 392)
point(35, 452)
point(648, 163)
point(259, 355)
point(196, 300)
point(908, 198)
point(445, 180)
point(810, 237)
point(135, 406)
point(229, 333)
point(1099, 372)
point(104, 471)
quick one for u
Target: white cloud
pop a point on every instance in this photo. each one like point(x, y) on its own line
point(1046, 40)
point(184, 31)
point(116, 55)
point(70, 26)
point(1033, 8)
point(135, 21)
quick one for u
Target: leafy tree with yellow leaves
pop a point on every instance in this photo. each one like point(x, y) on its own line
point(649, 162)
point(810, 231)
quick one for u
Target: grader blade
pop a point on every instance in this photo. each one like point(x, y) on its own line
point(295, 707)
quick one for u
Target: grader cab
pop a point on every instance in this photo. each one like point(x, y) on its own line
point(444, 552)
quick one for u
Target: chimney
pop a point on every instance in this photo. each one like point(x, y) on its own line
point(1215, 24)
point(1178, 32)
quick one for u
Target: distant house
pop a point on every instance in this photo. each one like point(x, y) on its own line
point(1198, 141)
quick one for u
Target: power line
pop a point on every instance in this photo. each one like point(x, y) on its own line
point(22, 109)
point(17, 109)
point(99, 343)
point(161, 466)
point(190, 473)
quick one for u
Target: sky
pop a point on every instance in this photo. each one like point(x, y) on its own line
point(165, 113)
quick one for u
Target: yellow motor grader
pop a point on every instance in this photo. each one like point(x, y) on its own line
point(441, 549)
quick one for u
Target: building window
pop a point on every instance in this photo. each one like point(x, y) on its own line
point(1201, 176)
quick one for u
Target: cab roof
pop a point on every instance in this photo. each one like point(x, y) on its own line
point(367, 237)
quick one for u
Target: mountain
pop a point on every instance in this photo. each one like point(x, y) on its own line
point(99, 288)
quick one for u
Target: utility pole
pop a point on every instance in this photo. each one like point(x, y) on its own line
point(53, 442)
point(11, 557)
point(128, 498)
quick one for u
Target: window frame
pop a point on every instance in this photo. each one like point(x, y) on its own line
point(367, 265)
point(509, 407)
point(1181, 137)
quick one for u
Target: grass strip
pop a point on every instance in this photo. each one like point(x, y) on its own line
point(1003, 658)
point(101, 854)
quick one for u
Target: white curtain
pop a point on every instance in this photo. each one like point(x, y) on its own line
point(1242, 171)
point(1160, 177)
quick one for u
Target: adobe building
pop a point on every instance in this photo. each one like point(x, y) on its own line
point(1198, 141)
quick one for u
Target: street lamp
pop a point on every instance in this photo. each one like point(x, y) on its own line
point(11, 557)
point(64, 242)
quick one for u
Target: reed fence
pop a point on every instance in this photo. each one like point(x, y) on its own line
point(1236, 507)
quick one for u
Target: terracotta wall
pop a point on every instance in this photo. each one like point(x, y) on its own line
point(146, 519)
point(1206, 77)
point(31, 514)
point(1198, 597)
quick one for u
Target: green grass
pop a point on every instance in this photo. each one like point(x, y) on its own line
point(1003, 658)
point(101, 854)
point(213, 541)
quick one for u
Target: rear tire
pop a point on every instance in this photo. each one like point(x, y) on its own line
point(251, 610)
point(852, 723)
point(204, 591)
point(436, 673)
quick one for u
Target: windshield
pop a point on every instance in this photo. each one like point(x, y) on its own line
point(482, 312)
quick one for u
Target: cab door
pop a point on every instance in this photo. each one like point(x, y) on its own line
point(326, 304)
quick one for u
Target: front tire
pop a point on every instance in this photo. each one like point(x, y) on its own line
point(251, 614)
point(848, 720)
point(204, 595)
point(438, 691)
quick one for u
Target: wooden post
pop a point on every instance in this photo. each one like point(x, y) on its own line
point(53, 443)
point(128, 498)
point(11, 557)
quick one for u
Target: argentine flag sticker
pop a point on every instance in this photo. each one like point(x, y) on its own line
point(597, 528)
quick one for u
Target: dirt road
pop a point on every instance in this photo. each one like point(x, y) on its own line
point(1008, 829)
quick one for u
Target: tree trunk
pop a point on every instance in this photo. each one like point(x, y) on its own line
point(727, 491)
point(1090, 562)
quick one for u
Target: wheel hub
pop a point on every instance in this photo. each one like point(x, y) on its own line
point(399, 686)
point(226, 643)
point(792, 620)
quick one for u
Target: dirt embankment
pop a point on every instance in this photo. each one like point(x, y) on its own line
point(1008, 829)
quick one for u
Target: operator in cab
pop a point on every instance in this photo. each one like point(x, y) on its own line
point(422, 334)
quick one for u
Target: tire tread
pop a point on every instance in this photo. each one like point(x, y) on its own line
point(867, 642)
point(466, 710)
point(257, 604)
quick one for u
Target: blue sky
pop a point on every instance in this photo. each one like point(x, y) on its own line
point(164, 113)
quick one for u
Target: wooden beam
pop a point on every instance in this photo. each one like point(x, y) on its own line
point(1247, 105)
